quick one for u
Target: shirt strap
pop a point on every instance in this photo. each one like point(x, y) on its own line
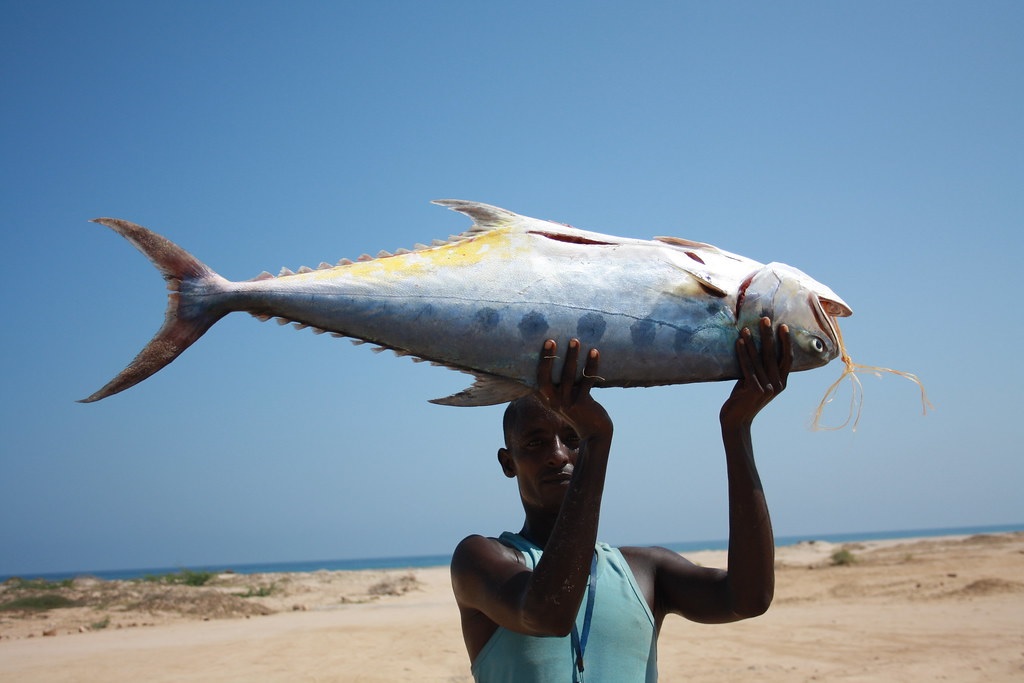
point(579, 641)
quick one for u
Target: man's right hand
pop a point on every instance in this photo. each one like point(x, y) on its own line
point(571, 398)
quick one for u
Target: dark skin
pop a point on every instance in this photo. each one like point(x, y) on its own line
point(557, 447)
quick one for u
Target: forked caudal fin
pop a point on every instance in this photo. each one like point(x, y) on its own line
point(184, 322)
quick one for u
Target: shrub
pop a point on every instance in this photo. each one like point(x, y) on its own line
point(394, 585)
point(843, 557)
point(17, 583)
point(258, 592)
point(185, 577)
point(36, 603)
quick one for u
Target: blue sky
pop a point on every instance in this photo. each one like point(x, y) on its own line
point(877, 146)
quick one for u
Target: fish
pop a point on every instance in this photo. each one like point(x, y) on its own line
point(662, 311)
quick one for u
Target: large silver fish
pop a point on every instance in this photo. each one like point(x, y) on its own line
point(662, 311)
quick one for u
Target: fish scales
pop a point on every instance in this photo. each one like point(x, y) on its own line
point(662, 311)
point(466, 312)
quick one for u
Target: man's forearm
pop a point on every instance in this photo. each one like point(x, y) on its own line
point(751, 568)
point(560, 578)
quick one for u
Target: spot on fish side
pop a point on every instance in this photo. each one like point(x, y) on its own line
point(590, 328)
point(684, 339)
point(533, 325)
point(643, 332)
point(486, 319)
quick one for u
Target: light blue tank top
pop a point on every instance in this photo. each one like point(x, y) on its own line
point(622, 644)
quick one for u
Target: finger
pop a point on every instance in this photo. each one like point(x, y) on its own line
point(785, 354)
point(745, 353)
point(590, 371)
point(756, 362)
point(769, 359)
point(544, 367)
point(572, 355)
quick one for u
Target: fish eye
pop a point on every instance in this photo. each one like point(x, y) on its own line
point(817, 345)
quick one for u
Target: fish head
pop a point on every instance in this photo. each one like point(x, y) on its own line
point(808, 308)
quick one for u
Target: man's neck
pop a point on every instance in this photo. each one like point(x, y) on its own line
point(537, 529)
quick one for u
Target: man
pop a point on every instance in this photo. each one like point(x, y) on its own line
point(552, 604)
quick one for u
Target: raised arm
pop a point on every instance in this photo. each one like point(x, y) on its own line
point(751, 574)
point(747, 587)
point(558, 582)
point(492, 586)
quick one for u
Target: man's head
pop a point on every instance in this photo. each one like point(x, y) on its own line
point(540, 451)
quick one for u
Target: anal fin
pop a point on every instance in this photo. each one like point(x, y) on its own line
point(486, 390)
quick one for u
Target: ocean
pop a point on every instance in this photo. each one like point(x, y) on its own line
point(420, 561)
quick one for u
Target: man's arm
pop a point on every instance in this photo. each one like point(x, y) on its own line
point(746, 589)
point(490, 580)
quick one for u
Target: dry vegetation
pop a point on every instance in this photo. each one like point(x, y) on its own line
point(32, 607)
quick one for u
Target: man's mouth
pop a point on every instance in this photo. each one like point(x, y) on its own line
point(562, 477)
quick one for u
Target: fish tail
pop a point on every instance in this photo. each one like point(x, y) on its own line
point(186, 319)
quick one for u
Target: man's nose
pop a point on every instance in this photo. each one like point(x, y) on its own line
point(560, 454)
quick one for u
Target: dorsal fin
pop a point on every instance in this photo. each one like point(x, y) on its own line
point(485, 217)
point(685, 243)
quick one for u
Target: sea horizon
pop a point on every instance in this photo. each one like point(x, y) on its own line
point(425, 561)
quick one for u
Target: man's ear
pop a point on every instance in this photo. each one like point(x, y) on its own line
point(507, 465)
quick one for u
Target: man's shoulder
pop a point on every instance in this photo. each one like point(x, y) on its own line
point(476, 549)
point(650, 559)
point(646, 553)
point(473, 544)
point(655, 561)
point(479, 566)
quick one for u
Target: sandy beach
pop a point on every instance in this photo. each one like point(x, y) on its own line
point(949, 608)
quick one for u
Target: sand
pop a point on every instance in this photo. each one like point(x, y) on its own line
point(948, 608)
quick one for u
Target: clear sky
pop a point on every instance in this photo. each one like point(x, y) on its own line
point(878, 146)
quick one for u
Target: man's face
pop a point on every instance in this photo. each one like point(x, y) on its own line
point(540, 451)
